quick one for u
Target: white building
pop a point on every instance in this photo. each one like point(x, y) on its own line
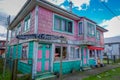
point(112, 46)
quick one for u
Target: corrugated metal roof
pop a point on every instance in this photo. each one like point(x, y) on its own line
point(115, 39)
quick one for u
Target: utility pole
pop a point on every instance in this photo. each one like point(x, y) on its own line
point(6, 50)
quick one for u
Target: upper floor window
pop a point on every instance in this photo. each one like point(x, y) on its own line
point(62, 24)
point(18, 29)
point(98, 35)
point(91, 29)
point(27, 23)
point(80, 28)
point(13, 33)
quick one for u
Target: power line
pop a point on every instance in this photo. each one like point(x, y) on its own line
point(110, 10)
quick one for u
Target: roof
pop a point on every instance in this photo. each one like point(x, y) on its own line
point(101, 28)
point(112, 40)
point(30, 4)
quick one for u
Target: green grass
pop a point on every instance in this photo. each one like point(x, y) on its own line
point(113, 74)
point(8, 73)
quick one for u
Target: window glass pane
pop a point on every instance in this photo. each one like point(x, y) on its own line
point(28, 24)
point(70, 27)
point(91, 29)
point(72, 49)
point(57, 23)
point(18, 29)
point(91, 53)
point(76, 53)
point(58, 52)
point(80, 28)
point(63, 25)
point(24, 52)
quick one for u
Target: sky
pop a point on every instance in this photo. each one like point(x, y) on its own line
point(105, 12)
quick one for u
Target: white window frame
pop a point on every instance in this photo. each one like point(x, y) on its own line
point(27, 23)
point(79, 31)
point(24, 44)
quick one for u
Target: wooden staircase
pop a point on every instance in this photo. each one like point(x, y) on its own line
point(45, 76)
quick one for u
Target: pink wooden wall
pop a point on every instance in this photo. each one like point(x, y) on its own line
point(31, 31)
point(46, 25)
point(101, 41)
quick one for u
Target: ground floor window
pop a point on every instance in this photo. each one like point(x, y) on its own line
point(74, 53)
point(91, 53)
point(24, 55)
point(58, 52)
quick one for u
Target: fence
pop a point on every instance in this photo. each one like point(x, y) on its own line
point(109, 59)
point(17, 68)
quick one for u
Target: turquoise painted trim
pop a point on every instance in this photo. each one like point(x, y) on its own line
point(22, 66)
point(67, 66)
point(61, 17)
point(43, 59)
point(84, 57)
point(92, 62)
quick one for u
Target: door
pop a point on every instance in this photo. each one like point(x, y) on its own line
point(84, 56)
point(43, 58)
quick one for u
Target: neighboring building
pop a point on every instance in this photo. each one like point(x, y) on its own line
point(112, 46)
point(47, 24)
point(2, 47)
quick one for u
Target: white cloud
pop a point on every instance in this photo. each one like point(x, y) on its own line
point(79, 3)
point(11, 7)
point(76, 3)
point(57, 2)
point(113, 25)
point(104, 1)
point(3, 31)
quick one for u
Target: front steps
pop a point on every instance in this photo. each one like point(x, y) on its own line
point(45, 76)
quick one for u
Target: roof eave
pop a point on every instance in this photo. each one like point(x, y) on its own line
point(29, 5)
point(57, 9)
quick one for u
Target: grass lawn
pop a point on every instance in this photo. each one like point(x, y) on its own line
point(113, 74)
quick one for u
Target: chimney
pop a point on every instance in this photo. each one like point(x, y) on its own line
point(70, 6)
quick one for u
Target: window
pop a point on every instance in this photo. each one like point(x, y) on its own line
point(91, 53)
point(58, 51)
point(13, 32)
point(27, 23)
point(80, 28)
point(98, 35)
point(74, 53)
point(24, 55)
point(18, 29)
point(91, 29)
point(63, 25)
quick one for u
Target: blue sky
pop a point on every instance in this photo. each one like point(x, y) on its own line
point(92, 9)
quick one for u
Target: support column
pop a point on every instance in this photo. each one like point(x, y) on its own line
point(52, 57)
point(96, 56)
point(34, 66)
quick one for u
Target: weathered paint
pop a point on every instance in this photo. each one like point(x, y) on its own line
point(45, 25)
point(13, 40)
point(84, 56)
point(43, 61)
point(92, 62)
point(26, 67)
point(67, 66)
